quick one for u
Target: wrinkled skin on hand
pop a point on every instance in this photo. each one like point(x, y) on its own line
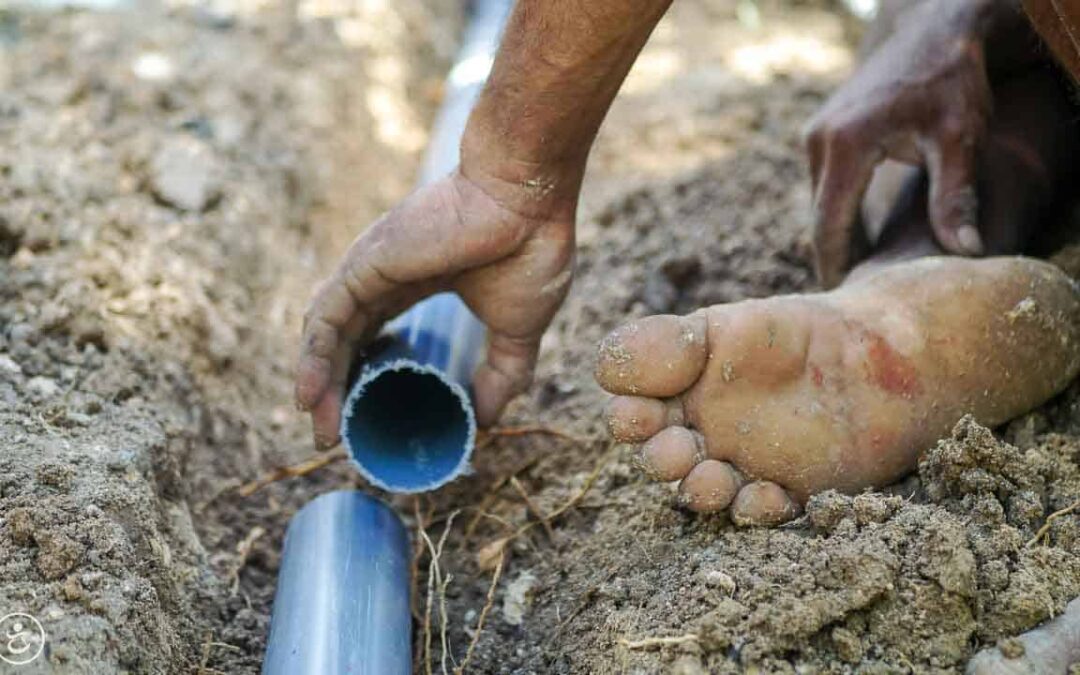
point(923, 97)
point(511, 267)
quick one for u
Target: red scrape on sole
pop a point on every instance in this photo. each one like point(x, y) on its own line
point(890, 370)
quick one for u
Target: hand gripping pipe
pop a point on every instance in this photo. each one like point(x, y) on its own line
point(408, 422)
point(342, 602)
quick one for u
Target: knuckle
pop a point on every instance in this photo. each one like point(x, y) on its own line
point(843, 137)
point(353, 273)
point(958, 130)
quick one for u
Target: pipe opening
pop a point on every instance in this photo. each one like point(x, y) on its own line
point(409, 429)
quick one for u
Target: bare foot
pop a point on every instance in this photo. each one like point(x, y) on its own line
point(757, 405)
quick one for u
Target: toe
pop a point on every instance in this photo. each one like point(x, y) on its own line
point(655, 356)
point(763, 503)
point(631, 419)
point(710, 486)
point(672, 453)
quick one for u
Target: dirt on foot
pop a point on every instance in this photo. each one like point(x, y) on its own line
point(174, 183)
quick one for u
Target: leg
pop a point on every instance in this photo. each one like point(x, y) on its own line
point(757, 405)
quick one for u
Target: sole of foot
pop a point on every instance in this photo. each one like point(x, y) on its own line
point(757, 405)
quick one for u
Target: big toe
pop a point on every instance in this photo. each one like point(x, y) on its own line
point(659, 356)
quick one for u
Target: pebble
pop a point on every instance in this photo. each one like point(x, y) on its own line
point(153, 67)
point(20, 333)
point(42, 387)
point(517, 598)
point(719, 580)
point(8, 365)
point(78, 418)
point(185, 174)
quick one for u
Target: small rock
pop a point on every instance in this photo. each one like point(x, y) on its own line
point(153, 67)
point(72, 589)
point(875, 507)
point(719, 580)
point(185, 174)
point(22, 333)
point(8, 366)
point(517, 598)
point(58, 554)
point(55, 475)
point(21, 526)
point(78, 419)
point(42, 388)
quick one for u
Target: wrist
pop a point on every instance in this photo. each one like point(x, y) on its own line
point(532, 186)
point(1001, 29)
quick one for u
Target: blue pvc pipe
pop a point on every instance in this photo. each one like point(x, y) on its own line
point(408, 421)
point(342, 601)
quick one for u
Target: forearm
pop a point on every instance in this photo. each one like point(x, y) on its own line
point(560, 64)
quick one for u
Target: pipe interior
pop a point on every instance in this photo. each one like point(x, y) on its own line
point(409, 430)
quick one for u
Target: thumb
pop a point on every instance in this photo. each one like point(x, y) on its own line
point(506, 372)
point(954, 207)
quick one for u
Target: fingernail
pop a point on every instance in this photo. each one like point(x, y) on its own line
point(967, 237)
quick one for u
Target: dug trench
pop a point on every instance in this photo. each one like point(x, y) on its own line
point(148, 324)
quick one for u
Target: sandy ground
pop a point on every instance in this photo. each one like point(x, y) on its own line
point(174, 182)
point(163, 217)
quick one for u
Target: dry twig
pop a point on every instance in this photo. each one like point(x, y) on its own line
point(492, 495)
point(1050, 519)
point(243, 550)
point(460, 670)
point(532, 507)
point(436, 585)
point(489, 436)
point(294, 471)
point(657, 642)
point(204, 669)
